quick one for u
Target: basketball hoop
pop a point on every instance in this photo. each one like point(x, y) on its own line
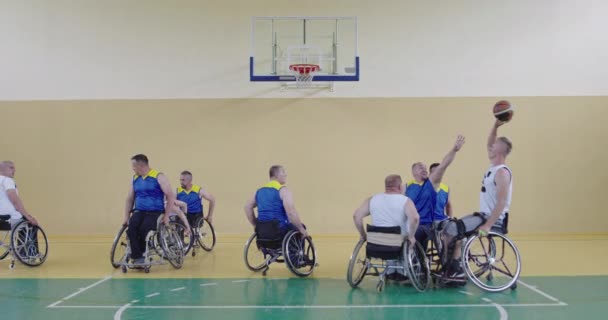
point(304, 73)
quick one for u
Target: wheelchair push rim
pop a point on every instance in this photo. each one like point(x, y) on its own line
point(119, 245)
point(492, 262)
point(417, 266)
point(206, 234)
point(171, 245)
point(255, 259)
point(29, 244)
point(357, 265)
point(300, 254)
point(187, 240)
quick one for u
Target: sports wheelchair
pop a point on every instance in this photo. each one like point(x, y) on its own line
point(164, 243)
point(268, 244)
point(492, 262)
point(202, 234)
point(25, 242)
point(386, 250)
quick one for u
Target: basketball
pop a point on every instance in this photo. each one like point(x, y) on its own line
point(503, 110)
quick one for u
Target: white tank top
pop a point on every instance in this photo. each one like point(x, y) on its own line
point(487, 197)
point(387, 210)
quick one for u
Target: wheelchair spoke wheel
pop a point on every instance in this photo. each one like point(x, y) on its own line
point(300, 254)
point(172, 245)
point(417, 266)
point(357, 265)
point(206, 234)
point(255, 259)
point(118, 254)
point(29, 244)
point(187, 240)
point(492, 263)
point(5, 240)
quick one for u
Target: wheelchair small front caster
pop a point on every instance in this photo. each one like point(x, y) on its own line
point(193, 253)
point(380, 286)
point(123, 269)
point(147, 269)
point(12, 266)
point(265, 271)
point(514, 286)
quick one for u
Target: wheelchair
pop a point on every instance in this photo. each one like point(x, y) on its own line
point(162, 244)
point(202, 235)
point(25, 242)
point(268, 245)
point(386, 250)
point(492, 262)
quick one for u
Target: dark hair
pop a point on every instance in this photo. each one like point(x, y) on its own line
point(508, 143)
point(140, 158)
point(274, 170)
point(186, 173)
point(433, 166)
point(393, 181)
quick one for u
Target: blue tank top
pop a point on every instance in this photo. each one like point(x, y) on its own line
point(424, 196)
point(270, 205)
point(148, 194)
point(442, 200)
point(192, 198)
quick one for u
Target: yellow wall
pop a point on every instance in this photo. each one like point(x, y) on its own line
point(73, 157)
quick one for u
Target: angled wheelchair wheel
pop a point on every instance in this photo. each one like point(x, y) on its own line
point(187, 240)
point(492, 262)
point(206, 234)
point(417, 266)
point(255, 259)
point(171, 245)
point(118, 254)
point(300, 254)
point(29, 244)
point(5, 239)
point(357, 265)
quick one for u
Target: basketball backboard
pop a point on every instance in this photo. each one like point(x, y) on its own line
point(280, 42)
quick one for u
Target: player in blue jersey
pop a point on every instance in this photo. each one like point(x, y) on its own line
point(193, 195)
point(274, 202)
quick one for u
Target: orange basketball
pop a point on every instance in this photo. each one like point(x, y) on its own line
point(503, 110)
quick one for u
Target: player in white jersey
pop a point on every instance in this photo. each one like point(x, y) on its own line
point(389, 209)
point(497, 185)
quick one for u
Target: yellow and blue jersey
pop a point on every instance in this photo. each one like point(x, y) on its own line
point(425, 197)
point(443, 195)
point(192, 198)
point(270, 205)
point(148, 194)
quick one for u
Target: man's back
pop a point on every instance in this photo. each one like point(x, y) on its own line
point(6, 206)
point(387, 210)
point(270, 205)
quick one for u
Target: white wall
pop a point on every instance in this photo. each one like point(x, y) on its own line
point(153, 49)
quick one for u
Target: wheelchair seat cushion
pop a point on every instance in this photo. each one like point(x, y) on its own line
point(5, 225)
point(5, 217)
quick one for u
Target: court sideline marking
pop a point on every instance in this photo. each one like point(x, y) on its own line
point(544, 294)
point(79, 291)
point(503, 313)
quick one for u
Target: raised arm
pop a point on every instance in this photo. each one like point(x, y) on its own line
point(360, 213)
point(492, 136)
point(413, 218)
point(438, 173)
point(209, 197)
point(292, 213)
point(502, 180)
point(165, 185)
point(249, 206)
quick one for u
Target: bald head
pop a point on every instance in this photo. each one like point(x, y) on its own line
point(7, 168)
point(392, 183)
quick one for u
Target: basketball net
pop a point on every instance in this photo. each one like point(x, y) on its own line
point(304, 74)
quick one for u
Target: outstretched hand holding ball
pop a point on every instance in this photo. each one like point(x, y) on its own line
point(503, 111)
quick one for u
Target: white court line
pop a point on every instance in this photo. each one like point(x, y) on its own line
point(544, 294)
point(79, 291)
point(119, 312)
point(465, 292)
point(178, 289)
point(394, 306)
point(503, 313)
point(238, 281)
point(208, 284)
point(152, 295)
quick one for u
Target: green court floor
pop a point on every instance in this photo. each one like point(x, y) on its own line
point(535, 298)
